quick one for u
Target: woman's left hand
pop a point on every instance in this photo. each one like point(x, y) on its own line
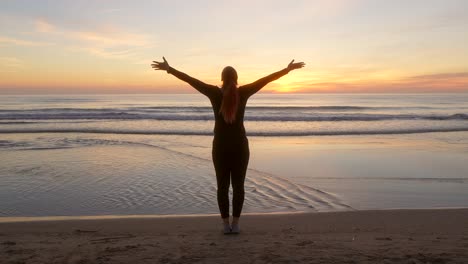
point(164, 66)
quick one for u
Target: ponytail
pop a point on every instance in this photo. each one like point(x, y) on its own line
point(230, 102)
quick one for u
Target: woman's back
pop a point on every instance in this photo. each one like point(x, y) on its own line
point(229, 132)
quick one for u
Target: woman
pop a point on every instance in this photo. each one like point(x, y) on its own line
point(230, 145)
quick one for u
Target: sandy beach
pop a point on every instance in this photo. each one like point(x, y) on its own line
point(386, 236)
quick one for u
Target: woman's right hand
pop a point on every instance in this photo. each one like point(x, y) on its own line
point(164, 66)
point(294, 66)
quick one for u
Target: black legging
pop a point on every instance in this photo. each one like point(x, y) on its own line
point(230, 162)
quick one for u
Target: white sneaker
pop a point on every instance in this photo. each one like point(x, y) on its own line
point(235, 229)
point(226, 229)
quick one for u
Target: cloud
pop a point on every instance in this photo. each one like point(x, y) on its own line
point(110, 38)
point(105, 41)
point(438, 82)
point(44, 26)
point(10, 64)
point(112, 10)
point(440, 77)
point(109, 53)
point(22, 42)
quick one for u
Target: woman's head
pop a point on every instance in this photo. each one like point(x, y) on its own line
point(230, 101)
point(229, 75)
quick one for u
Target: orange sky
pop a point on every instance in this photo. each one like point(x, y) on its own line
point(349, 46)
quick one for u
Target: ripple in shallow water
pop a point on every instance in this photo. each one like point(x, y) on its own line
point(120, 178)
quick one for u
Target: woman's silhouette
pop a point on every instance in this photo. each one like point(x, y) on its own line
point(230, 145)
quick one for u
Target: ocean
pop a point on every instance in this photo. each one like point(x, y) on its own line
point(267, 115)
point(151, 154)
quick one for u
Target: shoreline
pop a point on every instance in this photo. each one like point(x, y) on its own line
point(367, 236)
point(32, 219)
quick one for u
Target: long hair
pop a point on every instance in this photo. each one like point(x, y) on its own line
point(230, 101)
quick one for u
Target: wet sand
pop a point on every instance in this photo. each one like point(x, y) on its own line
point(387, 236)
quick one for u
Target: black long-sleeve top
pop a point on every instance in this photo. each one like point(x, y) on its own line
point(225, 133)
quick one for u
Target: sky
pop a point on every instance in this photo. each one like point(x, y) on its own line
point(349, 46)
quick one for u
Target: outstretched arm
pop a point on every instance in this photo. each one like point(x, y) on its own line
point(202, 87)
point(254, 87)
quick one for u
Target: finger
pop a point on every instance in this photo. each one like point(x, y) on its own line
point(164, 59)
point(291, 62)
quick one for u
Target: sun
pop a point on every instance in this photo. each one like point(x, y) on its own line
point(285, 89)
point(287, 85)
